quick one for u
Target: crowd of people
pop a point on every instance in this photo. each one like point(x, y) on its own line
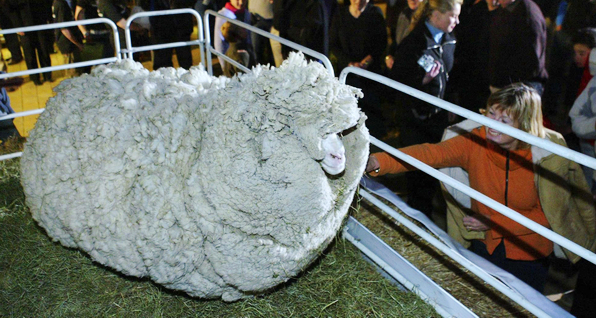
point(526, 63)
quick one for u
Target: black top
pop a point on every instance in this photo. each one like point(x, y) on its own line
point(352, 39)
point(30, 12)
point(305, 22)
point(517, 44)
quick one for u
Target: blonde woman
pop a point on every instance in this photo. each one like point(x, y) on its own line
point(543, 187)
point(422, 61)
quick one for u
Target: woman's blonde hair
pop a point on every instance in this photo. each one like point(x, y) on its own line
point(426, 8)
point(523, 104)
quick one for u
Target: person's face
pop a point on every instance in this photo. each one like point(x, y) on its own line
point(238, 4)
point(447, 21)
point(581, 54)
point(505, 3)
point(504, 141)
point(413, 4)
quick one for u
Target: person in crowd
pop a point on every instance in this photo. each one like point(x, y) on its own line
point(97, 36)
point(358, 37)
point(548, 189)
point(12, 40)
point(118, 11)
point(402, 29)
point(579, 74)
point(583, 42)
point(572, 16)
point(305, 22)
point(393, 8)
point(35, 44)
point(203, 5)
point(168, 29)
point(238, 49)
point(7, 127)
point(68, 40)
point(422, 61)
point(583, 113)
point(234, 9)
point(517, 24)
point(470, 77)
point(262, 18)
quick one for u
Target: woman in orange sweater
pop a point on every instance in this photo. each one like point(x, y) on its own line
point(512, 173)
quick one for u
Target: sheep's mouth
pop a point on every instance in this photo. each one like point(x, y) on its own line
point(334, 164)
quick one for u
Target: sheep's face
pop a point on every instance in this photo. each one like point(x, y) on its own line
point(334, 161)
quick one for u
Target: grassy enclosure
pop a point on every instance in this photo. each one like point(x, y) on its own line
point(41, 278)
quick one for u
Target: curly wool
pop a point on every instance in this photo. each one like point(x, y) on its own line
point(206, 185)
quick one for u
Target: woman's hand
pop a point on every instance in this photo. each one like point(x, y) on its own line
point(476, 222)
point(432, 73)
point(372, 164)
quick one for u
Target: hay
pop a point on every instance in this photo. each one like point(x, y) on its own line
point(481, 298)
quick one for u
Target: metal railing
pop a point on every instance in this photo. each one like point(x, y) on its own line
point(60, 26)
point(200, 41)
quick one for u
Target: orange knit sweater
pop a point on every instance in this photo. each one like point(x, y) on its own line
point(486, 165)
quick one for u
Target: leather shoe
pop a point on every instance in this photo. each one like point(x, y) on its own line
point(14, 61)
point(37, 82)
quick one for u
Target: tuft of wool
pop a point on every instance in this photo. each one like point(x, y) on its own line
point(212, 186)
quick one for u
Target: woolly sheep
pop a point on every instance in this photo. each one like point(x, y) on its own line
point(206, 185)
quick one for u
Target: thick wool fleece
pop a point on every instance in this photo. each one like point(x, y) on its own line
point(205, 185)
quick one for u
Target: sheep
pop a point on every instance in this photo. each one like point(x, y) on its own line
point(221, 188)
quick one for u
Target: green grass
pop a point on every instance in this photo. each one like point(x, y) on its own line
point(40, 278)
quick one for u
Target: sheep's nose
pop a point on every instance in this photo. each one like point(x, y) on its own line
point(337, 156)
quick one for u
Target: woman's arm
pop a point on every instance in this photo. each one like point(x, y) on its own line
point(454, 152)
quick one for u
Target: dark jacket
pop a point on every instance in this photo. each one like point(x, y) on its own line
point(30, 12)
point(407, 71)
point(352, 39)
point(305, 22)
point(517, 45)
point(166, 25)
